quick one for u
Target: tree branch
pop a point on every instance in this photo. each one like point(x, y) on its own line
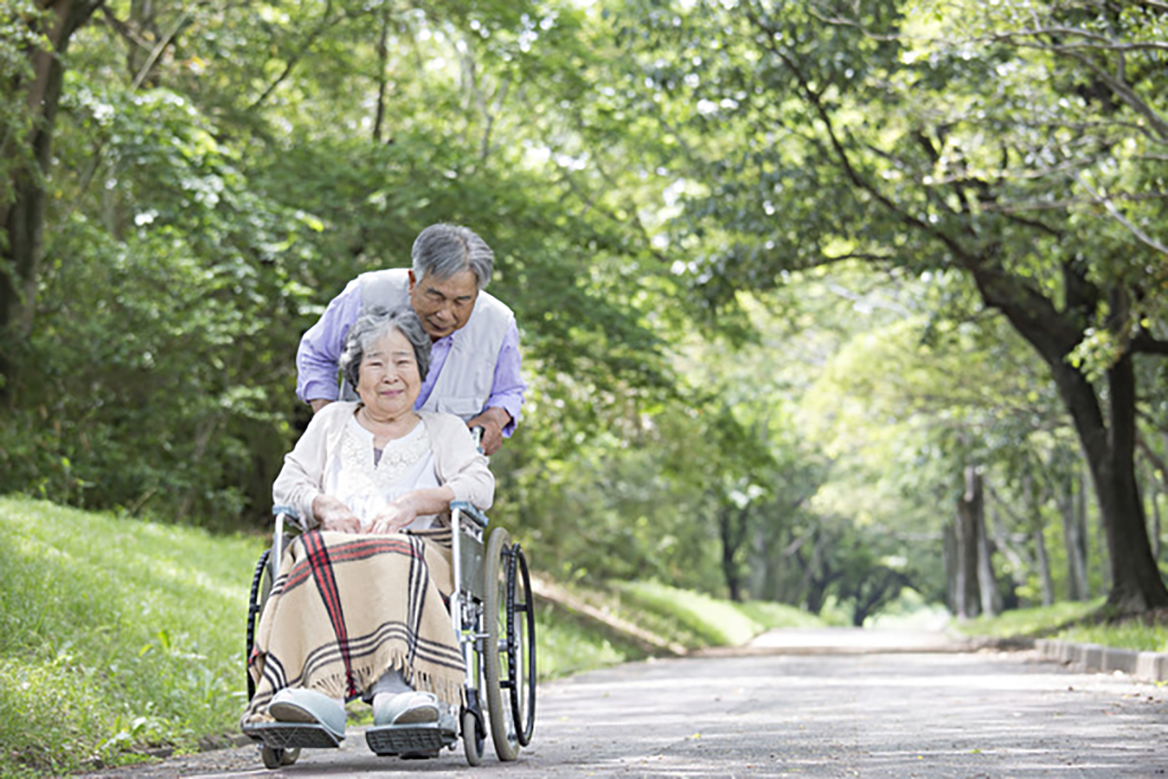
point(1105, 201)
point(158, 49)
point(841, 153)
point(1145, 343)
point(1099, 42)
point(301, 50)
point(123, 29)
point(1125, 93)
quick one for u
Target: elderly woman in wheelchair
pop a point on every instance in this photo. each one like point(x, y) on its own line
point(357, 606)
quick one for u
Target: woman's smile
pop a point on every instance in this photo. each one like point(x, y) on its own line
point(388, 381)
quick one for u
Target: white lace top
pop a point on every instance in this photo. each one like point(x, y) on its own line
point(311, 468)
point(366, 483)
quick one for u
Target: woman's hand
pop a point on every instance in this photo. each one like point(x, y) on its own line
point(334, 515)
point(396, 516)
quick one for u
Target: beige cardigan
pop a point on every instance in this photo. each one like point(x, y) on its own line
point(458, 463)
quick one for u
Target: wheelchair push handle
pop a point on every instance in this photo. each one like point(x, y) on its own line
point(466, 509)
point(476, 433)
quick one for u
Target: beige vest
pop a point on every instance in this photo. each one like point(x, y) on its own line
point(468, 375)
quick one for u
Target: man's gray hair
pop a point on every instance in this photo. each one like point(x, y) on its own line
point(375, 323)
point(445, 250)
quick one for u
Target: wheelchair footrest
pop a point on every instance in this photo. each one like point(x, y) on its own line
point(292, 735)
point(408, 739)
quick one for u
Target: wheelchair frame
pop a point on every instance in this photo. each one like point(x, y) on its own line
point(493, 614)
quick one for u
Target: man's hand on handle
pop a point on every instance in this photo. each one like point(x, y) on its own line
point(492, 421)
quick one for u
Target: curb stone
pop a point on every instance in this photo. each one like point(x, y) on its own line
point(1146, 666)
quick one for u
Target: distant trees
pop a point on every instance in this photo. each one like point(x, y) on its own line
point(1018, 144)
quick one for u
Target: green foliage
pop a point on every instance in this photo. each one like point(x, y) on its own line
point(177, 305)
point(20, 25)
point(740, 242)
point(772, 615)
point(208, 203)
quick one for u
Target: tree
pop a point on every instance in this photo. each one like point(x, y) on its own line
point(1013, 145)
point(34, 72)
point(221, 170)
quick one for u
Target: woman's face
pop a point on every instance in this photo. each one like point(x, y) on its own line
point(388, 380)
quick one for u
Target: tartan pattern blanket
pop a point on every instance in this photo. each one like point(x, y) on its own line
point(347, 608)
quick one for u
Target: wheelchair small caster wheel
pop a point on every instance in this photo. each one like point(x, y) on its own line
point(278, 758)
point(473, 739)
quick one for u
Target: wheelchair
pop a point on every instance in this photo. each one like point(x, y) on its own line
point(493, 614)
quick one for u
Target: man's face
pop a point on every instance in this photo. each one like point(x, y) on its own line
point(444, 305)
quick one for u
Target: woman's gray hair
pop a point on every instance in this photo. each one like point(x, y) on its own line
point(375, 323)
point(445, 250)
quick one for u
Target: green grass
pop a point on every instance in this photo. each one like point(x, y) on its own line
point(1037, 622)
point(567, 642)
point(1129, 635)
point(115, 636)
point(1073, 621)
point(565, 645)
point(695, 620)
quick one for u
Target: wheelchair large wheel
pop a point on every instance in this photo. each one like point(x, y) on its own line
point(521, 633)
point(509, 646)
point(261, 585)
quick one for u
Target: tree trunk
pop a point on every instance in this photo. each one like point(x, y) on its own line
point(949, 551)
point(991, 599)
point(1075, 540)
point(967, 591)
point(1109, 446)
point(1043, 567)
point(1135, 579)
point(1034, 509)
point(731, 527)
point(23, 218)
point(1153, 497)
point(382, 74)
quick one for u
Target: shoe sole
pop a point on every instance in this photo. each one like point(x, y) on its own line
point(293, 735)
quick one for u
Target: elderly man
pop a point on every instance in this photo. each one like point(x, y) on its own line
point(475, 365)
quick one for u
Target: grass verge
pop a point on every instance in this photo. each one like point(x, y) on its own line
point(1080, 622)
point(117, 637)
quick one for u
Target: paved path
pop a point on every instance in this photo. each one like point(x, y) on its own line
point(837, 703)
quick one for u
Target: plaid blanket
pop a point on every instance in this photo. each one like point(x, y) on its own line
point(347, 608)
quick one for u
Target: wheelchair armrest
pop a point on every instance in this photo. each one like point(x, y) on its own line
point(288, 513)
point(466, 508)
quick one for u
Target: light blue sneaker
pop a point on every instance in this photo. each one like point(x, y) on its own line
point(295, 704)
point(407, 708)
